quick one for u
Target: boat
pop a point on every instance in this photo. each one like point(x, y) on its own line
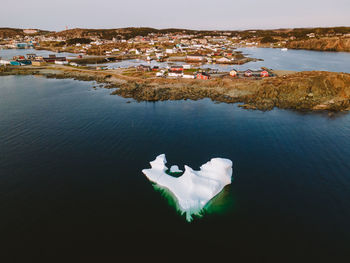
point(284, 49)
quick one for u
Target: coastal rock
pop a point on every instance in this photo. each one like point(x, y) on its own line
point(300, 91)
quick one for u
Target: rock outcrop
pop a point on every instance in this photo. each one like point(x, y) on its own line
point(312, 90)
point(322, 44)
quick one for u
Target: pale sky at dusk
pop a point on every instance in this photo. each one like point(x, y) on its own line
point(197, 14)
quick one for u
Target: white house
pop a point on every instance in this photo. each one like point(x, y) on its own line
point(223, 60)
point(170, 50)
point(187, 76)
point(175, 74)
point(61, 62)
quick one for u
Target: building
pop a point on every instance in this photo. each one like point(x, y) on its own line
point(203, 75)
point(177, 68)
point(4, 62)
point(233, 73)
point(170, 51)
point(264, 74)
point(160, 73)
point(248, 73)
point(175, 74)
point(58, 62)
point(31, 56)
point(38, 63)
point(143, 68)
point(188, 76)
point(53, 58)
point(223, 60)
point(30, 31)
point(195, 58)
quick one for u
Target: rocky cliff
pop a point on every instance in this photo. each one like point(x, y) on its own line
point(322, 44)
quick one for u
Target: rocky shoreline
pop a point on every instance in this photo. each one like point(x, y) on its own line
point(313, 90)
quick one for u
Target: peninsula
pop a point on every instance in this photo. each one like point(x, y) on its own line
point(313, 90)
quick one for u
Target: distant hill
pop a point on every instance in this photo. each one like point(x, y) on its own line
point(109, 34)
point(130, 32)
point(6, 32)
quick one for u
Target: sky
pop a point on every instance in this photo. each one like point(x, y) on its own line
point(190, 14)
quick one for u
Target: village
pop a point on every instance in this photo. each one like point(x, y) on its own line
point(160, 47)
point(179, 54)
point(186, 71)
point(172, 53)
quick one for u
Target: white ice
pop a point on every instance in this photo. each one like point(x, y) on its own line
point(194, 189)
point(175, 169)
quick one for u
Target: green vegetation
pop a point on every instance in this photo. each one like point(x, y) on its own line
point(190, 71)
point(74, 41)
point(268, 39)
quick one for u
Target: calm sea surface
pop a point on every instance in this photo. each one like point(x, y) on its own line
point(71, 187)
point(296, 60)
point(10, 53)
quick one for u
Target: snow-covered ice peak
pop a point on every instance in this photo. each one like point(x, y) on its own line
point(194, 189)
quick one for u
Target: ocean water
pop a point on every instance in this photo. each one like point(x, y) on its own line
point(8, 54)
point(72, 190)
point(274, 58)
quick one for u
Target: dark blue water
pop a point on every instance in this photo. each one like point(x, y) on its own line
point(71, 187)
point(274, 58)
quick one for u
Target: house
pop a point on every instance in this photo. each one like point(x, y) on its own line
point(233, 73)
point(248, 73)
point(4, 62)
point(135, 51)
point(203, 75)
point(31, 56)
point(30, 31)
point(18, 57)
point(143, 68)
point(187, 66)
point(177, 68)
point(53, 58)
point(101, 67)
point(264, 74)
point(223, 60)
point(195, 58)
point(188, 76)
point(22, 45)
point(24, 61)
point(15, 63)
point(38, 63)
point(58, 62)
point(160, 73)
point(175, 74)
point(170, 51)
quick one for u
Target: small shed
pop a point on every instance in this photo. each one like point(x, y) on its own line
point(38, 63)
point(248, 73)
point(175, 74)
point(264, 74)
point(203, 75)
point(177, 68)
point(143, 68)
point(233, 73)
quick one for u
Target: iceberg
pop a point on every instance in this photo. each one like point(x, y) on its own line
point(193, 189)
